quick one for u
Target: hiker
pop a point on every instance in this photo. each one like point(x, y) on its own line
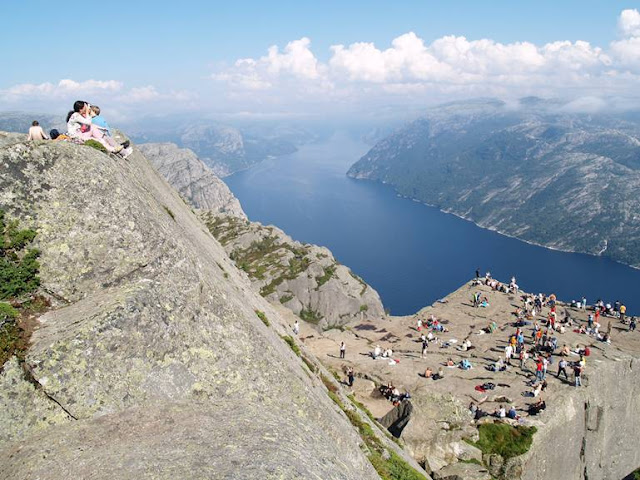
point(512, 413)
point(632, 324)
point(79, 127)
point(623, 312)
point(296, 328)
point(539, 369)
point(524, 356)
point(577, 372)
point(350, 376)
point(36, 132)
point(425, 345)
point(343, 349)
point(508, 352)
point(562, 368)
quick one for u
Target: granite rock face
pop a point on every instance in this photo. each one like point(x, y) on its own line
point(154, 363)
point(195, 182)
point(305, 278)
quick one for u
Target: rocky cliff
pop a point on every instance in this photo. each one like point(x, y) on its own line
point(305, 278)
point(193, 180)
point(535, 171)
point(153, 362)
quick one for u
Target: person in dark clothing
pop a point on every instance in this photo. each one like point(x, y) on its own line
point(350, 376)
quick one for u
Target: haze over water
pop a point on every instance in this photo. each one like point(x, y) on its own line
point(410, 253)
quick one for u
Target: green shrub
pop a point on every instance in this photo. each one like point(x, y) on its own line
point(364, 308)
point(286, 298)
point(291, 342)
point(326, 276)
point(18, 264)
point(504, 439)
point(309, 315)
point(97, 145)
point(263, 317)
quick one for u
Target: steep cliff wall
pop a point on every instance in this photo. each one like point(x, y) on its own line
point(195, 182)
point(591, 433)
point(154, 363)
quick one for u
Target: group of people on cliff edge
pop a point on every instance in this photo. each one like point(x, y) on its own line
point(85, 123)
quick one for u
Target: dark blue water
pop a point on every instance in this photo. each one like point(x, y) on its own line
point(410, 253)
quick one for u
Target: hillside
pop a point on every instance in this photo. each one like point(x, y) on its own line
point(536, 172)
point(305, 278)
point(155, 359)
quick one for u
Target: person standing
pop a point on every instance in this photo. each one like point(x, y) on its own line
point(577, 373)
point(632, 324)
point(296, 327)
point(343, 350)
point(623, 311)
point(350, 376)
point(562, 369)
point(36, 132)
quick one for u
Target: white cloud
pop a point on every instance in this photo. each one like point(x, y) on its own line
point(448, 66)
point(629, 23)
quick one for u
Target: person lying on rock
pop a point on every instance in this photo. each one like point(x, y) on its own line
point(536, 408)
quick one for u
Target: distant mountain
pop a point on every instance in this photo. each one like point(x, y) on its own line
point(535, 171)
point(223, 148)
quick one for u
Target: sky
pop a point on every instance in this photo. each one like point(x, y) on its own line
point(285, 58)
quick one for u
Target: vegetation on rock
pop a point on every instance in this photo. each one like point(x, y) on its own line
point(263, 317)
point(291, 342)
point(97, 145)
point(18, 279)
point(504, 439)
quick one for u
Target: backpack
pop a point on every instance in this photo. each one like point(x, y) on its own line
point(53, 134)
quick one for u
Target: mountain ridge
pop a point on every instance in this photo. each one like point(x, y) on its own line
point(539, 177)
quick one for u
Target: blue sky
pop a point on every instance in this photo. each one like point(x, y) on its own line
point(188, 49)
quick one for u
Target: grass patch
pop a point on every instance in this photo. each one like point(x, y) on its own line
point(97, 145)
point(471, 460)
point(310, 315)
point(364, 308)
point(263, 317)
point(504, 439)
point(291, 342)
point(169, 212)
point(329, 384)
point(362, 407)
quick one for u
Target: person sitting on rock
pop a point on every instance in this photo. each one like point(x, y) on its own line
point(376, 352)
point(501, 412)
point(450, 362)
point(36, 132)
point(428, 373)
point(512, 413)
point(79, 127)
point(536, 408)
